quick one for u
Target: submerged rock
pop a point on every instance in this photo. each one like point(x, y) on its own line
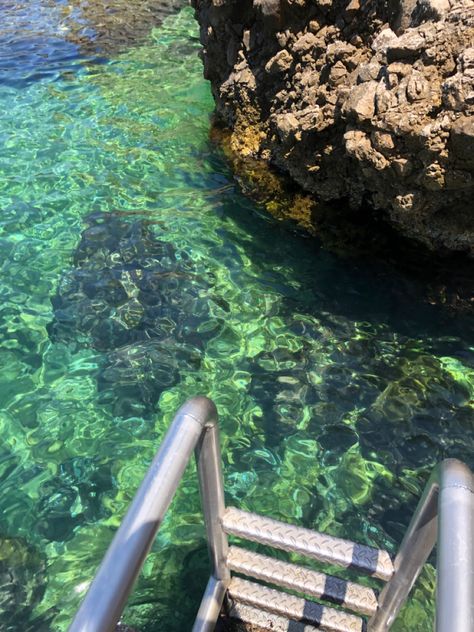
point(140, 302)
point(22, 584)
point(366, 102)
point(109, 27)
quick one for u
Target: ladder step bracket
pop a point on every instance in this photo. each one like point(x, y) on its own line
point(318, 546)
point(347, 594)
point(293, 608)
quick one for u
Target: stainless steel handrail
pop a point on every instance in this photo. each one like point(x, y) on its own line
point(445, 512)
point(194, 428)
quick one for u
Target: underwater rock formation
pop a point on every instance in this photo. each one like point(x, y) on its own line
point(98, 29)
point(22, 583)
point(368, 102)
point(139, 301)
point(110, 27)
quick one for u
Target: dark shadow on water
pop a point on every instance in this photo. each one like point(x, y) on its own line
point(395, 328)
point(388, 278)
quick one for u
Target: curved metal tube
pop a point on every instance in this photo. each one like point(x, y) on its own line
point(447, 506)
point(455, 567)
point(446, 511)
point(194, 426)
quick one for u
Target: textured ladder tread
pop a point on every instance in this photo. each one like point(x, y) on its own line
point(293, 608)
point(268, 621)
point(325, 548)
point(338, 591)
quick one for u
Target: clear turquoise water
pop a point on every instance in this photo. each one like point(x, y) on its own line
point(134, 274)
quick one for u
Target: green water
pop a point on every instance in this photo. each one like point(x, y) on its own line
point(338, 386)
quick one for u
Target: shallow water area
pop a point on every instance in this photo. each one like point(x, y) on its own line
point(135, 274)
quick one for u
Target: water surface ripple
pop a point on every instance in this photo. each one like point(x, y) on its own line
point(135, 274)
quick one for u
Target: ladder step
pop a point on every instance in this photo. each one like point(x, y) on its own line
point(291, 607)
point(325, 548)
point(267, 621)
point(338, 591)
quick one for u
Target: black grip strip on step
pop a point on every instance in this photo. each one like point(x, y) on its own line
point(364, 558)
point(296, 626)
point(312, 613)
point(334, 590)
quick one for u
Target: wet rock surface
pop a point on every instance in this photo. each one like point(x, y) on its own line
point(140, 302)
point(442, 281)
point(367, 102)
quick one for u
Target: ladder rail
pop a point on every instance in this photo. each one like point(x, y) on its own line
point(194, 428)
point(445, 514)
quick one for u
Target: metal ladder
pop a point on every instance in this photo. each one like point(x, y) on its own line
point(444, 514)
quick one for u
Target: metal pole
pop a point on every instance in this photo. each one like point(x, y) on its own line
point(448, 502)
point(210, 606)
point(414, 551)
point(211, 486)
point(107, 595)
point(455, 573)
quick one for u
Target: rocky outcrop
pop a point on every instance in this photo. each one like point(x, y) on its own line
point(369, 101)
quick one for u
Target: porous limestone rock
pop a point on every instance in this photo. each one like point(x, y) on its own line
point(357, 100)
